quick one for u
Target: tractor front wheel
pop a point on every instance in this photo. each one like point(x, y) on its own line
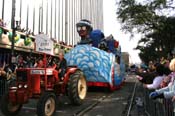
point(77, 88)
point(47, 104)
point(9, 109)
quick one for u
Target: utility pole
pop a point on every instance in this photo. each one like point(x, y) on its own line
point(47, 18)
point(51, 19)
point(33, 19)
point(20, 14)
point(42, 16)
point(39, 26)
point(3, 9)
point(55, 37)
point(27, 20)
point(13, 29)
point(59, 25)
point(66, 21)
point(81, 9)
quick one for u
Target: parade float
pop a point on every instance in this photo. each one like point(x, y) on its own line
point(101, 68)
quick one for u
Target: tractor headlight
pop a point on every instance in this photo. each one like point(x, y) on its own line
point(25, 86)
point(19, 86)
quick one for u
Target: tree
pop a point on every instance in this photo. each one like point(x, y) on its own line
point(152, 19)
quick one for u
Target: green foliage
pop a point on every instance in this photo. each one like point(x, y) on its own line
point(151, 18)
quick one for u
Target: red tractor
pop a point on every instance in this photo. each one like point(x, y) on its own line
point(44, 84)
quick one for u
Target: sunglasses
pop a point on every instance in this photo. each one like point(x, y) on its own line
point(81, 28)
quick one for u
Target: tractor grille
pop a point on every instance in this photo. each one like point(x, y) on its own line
point(3, 86)
point(21, 75)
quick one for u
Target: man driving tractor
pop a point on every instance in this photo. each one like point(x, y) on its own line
point(61, 65)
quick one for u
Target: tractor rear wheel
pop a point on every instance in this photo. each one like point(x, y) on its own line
point(46, 105)
point(9, 109)
point(77, 88)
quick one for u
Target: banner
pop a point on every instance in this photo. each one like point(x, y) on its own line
point(44, 44)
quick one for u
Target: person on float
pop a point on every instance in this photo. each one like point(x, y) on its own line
point(21, 62)
point(2, 73)
point(84, 28)
point(39, 63)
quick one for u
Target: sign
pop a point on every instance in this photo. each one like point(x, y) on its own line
point(42, 72)
point(44, 44)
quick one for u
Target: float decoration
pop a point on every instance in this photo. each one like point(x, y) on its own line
point(1, 32)
point(27, 41)
point(10, 35)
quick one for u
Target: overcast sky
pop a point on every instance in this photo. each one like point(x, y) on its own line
point(112, 26)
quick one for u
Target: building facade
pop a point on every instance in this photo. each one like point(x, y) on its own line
point(56, 18)
point(125, 57)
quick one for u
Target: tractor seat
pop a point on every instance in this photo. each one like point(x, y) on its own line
point(70, 66)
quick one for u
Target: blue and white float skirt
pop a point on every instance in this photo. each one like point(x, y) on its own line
point(99, 67)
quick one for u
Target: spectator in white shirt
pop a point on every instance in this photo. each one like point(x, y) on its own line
point(158, 79)
point(169, 91)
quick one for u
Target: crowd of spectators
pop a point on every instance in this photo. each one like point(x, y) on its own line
point(159, 77)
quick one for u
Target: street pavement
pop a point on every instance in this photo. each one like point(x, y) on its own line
point(117, 103)
point(98, 103)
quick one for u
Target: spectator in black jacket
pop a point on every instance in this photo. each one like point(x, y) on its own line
point(148, 76)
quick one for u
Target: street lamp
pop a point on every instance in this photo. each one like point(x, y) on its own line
point(13, 59)
point(13, 30)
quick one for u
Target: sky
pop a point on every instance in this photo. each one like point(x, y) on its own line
point(112, 26)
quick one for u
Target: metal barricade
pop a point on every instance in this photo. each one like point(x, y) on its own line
point(158, 107)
